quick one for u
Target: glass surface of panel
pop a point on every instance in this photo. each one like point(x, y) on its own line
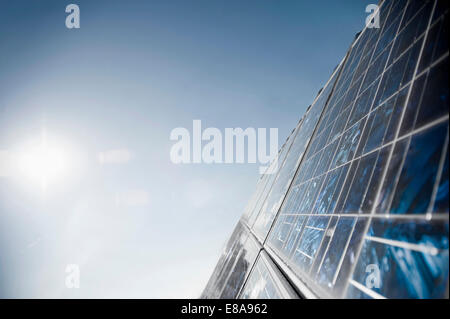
point(266, 282)
point(235, 263)
point(245, 258)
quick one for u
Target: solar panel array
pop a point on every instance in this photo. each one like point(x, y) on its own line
point(359, 205)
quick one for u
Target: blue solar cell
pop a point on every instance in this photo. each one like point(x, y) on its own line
point(360, 182)
point(435, 100)
point(350, 257)
point(441, 203)
point(348, 144)
point(403, 273)
point(330, 264)
point(417, 178)
point(436, 44)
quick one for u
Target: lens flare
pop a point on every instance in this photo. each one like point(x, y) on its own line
point(43, 162)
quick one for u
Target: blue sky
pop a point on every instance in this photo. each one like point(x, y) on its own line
point(142, 226)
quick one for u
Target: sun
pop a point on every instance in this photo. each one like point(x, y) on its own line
point(43, 162)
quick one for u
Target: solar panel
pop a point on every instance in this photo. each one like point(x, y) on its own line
point(359, 206)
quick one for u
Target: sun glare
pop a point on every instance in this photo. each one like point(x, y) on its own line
point(43, 162)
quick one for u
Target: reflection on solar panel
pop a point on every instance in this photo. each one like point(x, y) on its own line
point(359, 205)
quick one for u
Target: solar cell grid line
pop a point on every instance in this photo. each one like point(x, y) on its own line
point(303, 253)
point(293, 228)
point(304, 225)
point(419, 248)
point(433, 64)
point(438, 178)
point(315, 228)
point(440, 217)
point(366, 290)
point(391, 152)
